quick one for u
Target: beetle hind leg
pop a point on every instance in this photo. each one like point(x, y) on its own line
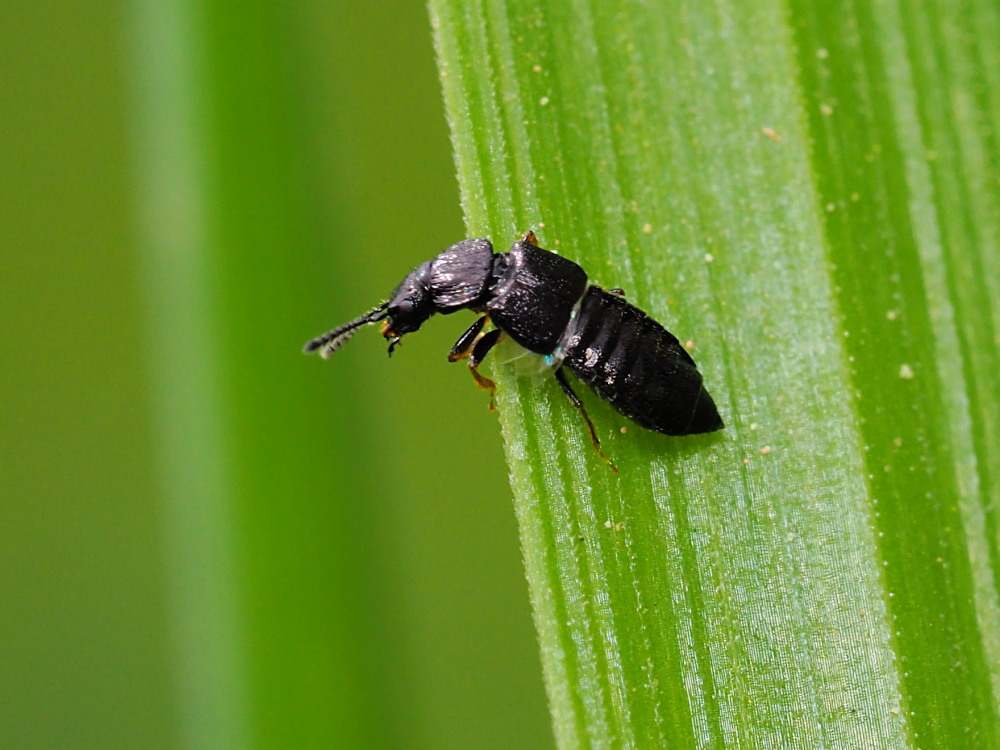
point(564, 384)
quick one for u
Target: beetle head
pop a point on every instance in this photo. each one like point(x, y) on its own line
point(410, 305)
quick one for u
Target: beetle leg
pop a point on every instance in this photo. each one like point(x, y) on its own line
point(564, 384)
point(617, 291)
point(483, 345)
point(475, 345)
point(463, 347)
point(530, 238)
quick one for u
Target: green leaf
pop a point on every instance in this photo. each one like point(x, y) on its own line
point(325, 589)
point(807, 194)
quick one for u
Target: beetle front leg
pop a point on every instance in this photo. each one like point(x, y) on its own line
point(486, 342)
point(564, 384)
point(474, 345)
point(463, 347)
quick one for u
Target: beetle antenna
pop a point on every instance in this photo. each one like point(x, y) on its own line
point(330, 342)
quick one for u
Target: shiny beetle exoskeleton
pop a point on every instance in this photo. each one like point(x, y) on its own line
point(543, 302)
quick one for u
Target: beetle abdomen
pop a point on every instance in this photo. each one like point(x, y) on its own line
point(638, 366)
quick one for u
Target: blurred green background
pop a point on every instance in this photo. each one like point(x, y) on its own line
point(208, 539)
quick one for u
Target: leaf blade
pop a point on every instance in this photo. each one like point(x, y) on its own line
point(717, 140)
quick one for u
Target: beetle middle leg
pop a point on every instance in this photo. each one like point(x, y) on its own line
point(564, 384)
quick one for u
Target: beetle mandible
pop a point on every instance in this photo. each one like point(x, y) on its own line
point(543, 302)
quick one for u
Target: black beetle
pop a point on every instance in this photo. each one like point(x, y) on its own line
point(544, 303)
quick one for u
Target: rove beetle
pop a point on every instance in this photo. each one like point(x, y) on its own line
point(543, 302)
